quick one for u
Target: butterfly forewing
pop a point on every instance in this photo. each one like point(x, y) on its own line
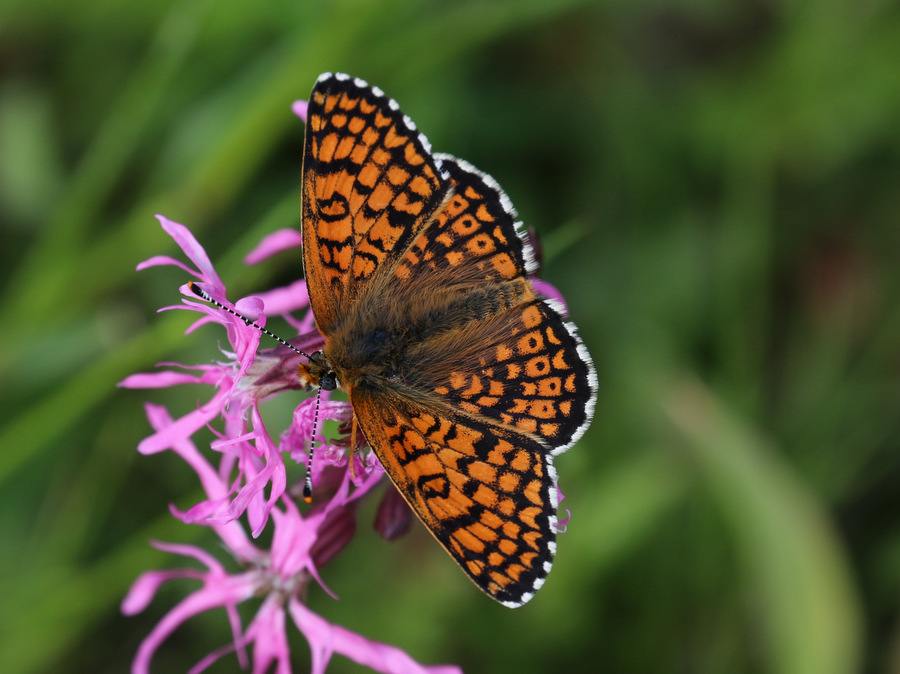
point(369, 184)
point(474, 234)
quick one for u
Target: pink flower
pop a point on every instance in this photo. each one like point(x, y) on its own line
point(248, 477)
point(247, 449)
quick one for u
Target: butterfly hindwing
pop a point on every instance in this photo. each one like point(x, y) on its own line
point(486, 494)
point(525, 369)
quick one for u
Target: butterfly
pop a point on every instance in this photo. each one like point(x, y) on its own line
point(464, 380)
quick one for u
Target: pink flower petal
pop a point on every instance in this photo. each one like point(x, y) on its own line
point(193, 551)
point(299, 108)
point(195, 252)
point(253, 308)
point(209, 660)
point(276, 242)
point(185, 427)
point(270, 643)
point(217, 592)
point(200, 321)
point(165, 260)
point(293, 539)
point(163, 379)
point(211, 511)
point(549, 290)
point(144, 588)
point(286, 299)
point(326, 639)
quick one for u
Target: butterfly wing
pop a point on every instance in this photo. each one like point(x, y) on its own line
point(487, 494)
point(369, 185)
point(495, 383)
point(475, 235)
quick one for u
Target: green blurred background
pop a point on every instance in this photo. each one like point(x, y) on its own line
point(717, 188)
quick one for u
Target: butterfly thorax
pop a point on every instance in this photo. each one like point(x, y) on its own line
point(386, 341)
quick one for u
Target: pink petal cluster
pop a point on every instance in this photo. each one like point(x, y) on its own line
point(247, 480)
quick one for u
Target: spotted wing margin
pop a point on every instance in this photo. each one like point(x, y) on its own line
point(488, 495)
point(369, 185)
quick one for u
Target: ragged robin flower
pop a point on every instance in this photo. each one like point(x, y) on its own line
point(248, 478)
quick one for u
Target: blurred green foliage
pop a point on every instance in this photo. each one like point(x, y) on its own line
point(717, 188)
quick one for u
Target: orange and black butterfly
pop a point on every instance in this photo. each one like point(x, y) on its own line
point(464, 380)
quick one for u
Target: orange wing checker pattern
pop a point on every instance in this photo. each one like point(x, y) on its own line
point(465, 381)
point(369, 185)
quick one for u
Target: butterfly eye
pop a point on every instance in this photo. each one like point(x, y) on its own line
point(328, 381)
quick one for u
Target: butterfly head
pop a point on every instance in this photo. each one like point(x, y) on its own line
point(317, 373)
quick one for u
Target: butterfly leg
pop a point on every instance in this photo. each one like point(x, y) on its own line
point(353, 445)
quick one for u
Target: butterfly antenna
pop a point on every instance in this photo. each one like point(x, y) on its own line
point(205, 296)
point(307, 484)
